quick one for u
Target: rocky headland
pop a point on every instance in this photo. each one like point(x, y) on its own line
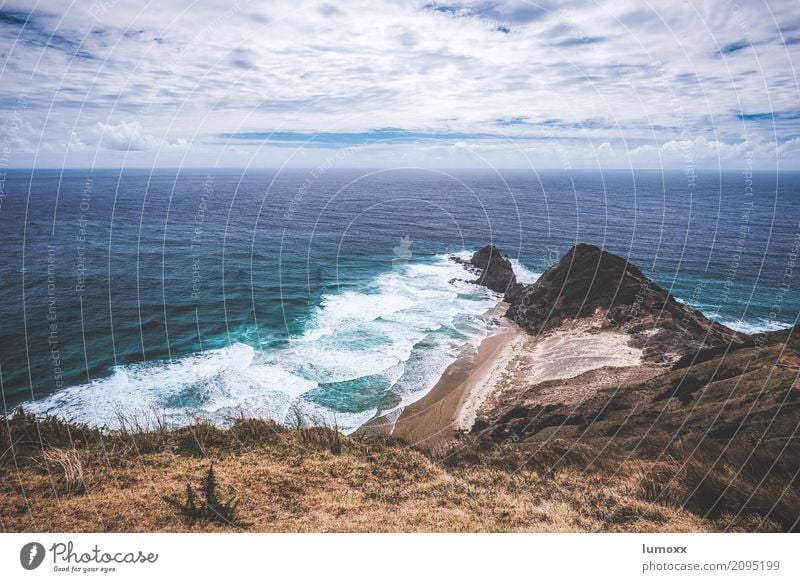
point(591, 285)
point(596, 354)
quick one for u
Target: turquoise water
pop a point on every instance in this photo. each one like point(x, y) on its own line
point(225, 292)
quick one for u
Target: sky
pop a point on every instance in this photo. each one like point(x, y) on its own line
point(517, 84)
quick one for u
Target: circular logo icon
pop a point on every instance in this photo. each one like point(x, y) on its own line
point(31, 555)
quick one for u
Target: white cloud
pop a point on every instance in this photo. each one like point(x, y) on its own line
point(605, 149)
point(789, 149)
point(75, 144)
point(627, 77)
point(124, 136)
point(129, 136)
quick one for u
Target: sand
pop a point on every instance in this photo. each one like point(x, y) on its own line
point(431, 422)
point(508, 360)
point(494, 356)
point(566, 354)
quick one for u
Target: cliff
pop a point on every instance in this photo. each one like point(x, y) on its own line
point(591, 284)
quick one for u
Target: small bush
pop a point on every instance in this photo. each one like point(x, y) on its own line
point(142, 432)
point(198, 438)
point(317, 436)
point(211, 508)
point(252, 431)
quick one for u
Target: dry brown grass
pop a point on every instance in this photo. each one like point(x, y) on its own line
point(318, 480)
point(758, 480)
point(68, 465)
point(349, 494)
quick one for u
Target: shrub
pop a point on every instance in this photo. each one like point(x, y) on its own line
point(211, 508)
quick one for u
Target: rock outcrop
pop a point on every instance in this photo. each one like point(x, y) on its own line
point(589, 283)
point(496, 271)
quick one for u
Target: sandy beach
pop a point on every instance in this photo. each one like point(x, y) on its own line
point(431, 422)
point(508, 360)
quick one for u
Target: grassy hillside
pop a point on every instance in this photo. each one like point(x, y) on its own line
point(56, 476)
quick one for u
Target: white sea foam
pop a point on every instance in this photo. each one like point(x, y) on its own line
point(426, 371)
point(463, 255)
point(315, 414)
point(523, 273)
point(314, 334)
point(370, 332)
point(405, 328)
point(749, 326)
point(214, 383)
point(756, 326)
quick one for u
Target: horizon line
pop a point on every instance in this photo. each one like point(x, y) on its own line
point(389, 168)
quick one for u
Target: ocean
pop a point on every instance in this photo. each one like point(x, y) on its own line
point(329, 293)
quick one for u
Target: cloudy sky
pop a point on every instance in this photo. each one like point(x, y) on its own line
point(241, 83)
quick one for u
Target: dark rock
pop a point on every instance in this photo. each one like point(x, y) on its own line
point(479, 425)
point(466, 264)
point(724, 430)
point(517, 412)
point(589, 282)
point(514, 293)
point(496, 271)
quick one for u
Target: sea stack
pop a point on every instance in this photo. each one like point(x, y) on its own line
point(496, 271)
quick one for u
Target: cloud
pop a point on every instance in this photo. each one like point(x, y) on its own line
point(33, 31)
point(241, 59)
point(518, 120)
point(352, 138)
point(74, 143)
point(226, 77)
point(789, 149)
point(124, 136)
point(129, 136)
point(605, 149)
point(700, 149)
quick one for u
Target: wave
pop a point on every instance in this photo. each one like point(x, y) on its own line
point(524, 275)
point(219, 384)
point(359, 353)
point(749, 326)
point(392, 340)
point(754, 326)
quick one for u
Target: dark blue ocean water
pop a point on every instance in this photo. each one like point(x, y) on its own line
point(223, 292)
